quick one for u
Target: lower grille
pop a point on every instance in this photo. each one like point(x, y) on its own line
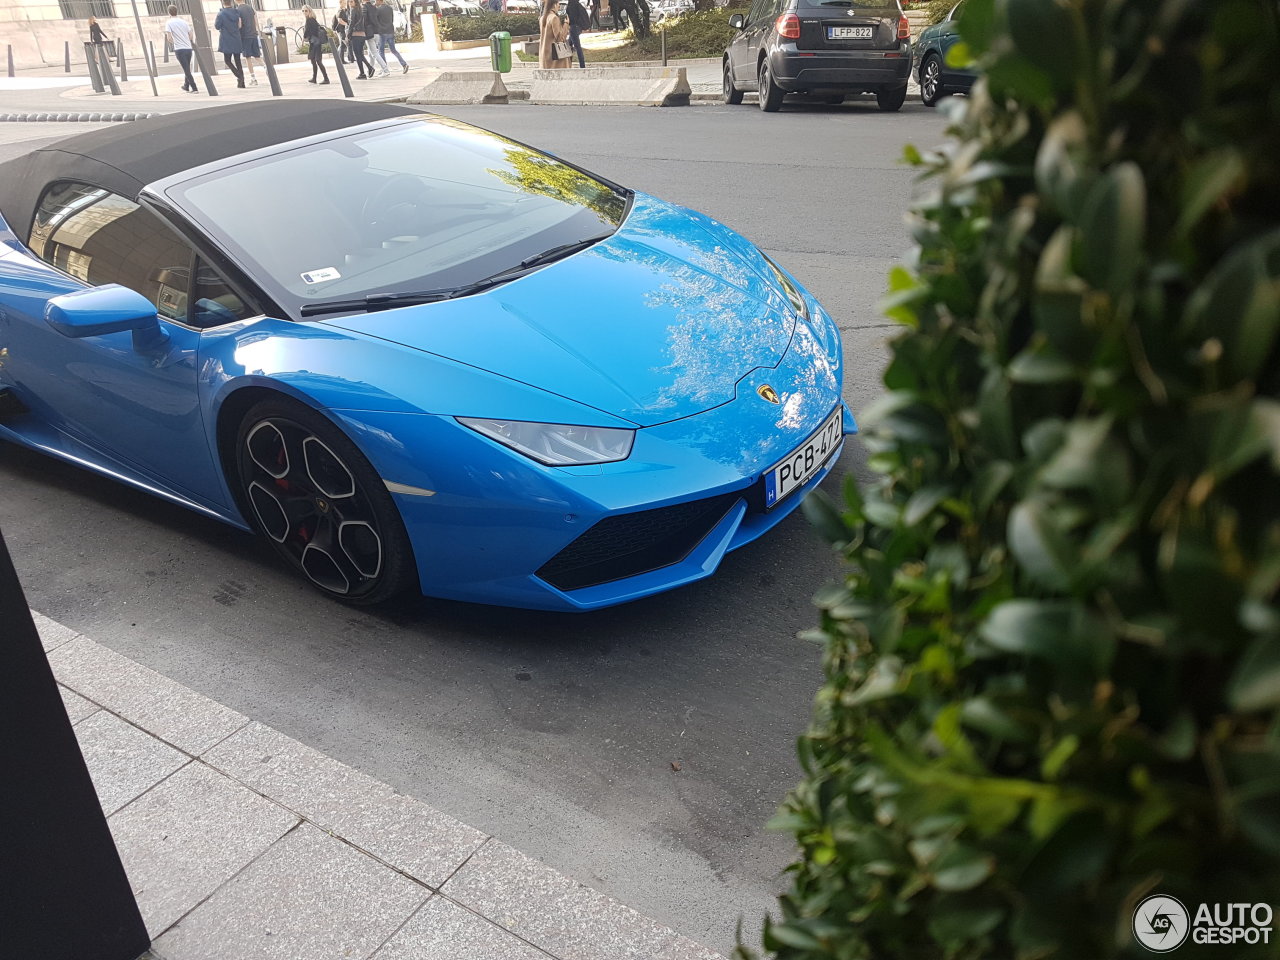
point(635, 543)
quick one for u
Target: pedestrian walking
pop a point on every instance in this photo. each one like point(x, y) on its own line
point(339, 28)
point(356, 31)
point(95, 31)
point(227, 23)
point(387, 33)
point(579, 20)
point(314, 34)
point(179, 33)
point(371, 29)
point(249, 38)
point(553, 42)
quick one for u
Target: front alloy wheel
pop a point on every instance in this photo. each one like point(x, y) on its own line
point(931, 81)
point(315, 497)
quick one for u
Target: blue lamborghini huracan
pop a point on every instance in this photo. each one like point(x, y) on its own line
point(410, 352)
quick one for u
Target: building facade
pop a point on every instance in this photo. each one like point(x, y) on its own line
point(39, 30)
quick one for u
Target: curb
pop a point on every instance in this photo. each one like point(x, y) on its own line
point(73, 117)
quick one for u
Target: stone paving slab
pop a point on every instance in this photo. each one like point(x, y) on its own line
point(77, 706)
point(188, 836)
point(401, 831)
point(560, 915)
point(52, 633)
point(123, 761)
point(442, 930)
point(168, 710)
point(264, 849)
point(309, 897)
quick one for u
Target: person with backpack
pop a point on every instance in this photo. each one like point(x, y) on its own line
point(579, 20)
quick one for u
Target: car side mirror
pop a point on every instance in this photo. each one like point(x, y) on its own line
point(110, 308)
point(737, 21)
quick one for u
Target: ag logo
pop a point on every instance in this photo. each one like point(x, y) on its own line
point(1161, 923)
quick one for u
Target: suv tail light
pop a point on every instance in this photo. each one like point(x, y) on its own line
point(904, 28)
point(788, 26)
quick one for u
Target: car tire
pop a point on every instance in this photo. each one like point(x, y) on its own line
point(732, 95)
point(316, 499)
point(931, 89)
point(891, 99)
point(770, 93)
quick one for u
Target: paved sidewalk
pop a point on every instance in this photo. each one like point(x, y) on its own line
point(242, 843)
point(51, 90)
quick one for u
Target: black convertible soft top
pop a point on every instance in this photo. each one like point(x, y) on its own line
point(125, 157)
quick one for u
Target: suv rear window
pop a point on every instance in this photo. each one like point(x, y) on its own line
point(871, 7)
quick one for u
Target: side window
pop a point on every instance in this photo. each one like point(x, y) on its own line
point(100, 237)
point(757, 10)
point(214, 302)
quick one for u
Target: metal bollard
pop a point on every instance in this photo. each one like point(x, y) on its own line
point(104, 65)
point(10, 46)
point(204, 71)
point(151, 61)
point(663, 31)
point(342, 71)
point(268, 61)
point(166, 48)
point(66, 54)
point(91, 61)
point(121, 62)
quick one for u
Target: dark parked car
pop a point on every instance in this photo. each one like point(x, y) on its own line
point(828, 49)
point(937, 78)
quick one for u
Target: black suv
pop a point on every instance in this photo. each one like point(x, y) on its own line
point(827, 49)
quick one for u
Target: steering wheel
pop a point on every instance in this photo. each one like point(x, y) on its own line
point(397, 208)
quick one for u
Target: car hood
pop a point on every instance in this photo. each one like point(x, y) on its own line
point(657, 322)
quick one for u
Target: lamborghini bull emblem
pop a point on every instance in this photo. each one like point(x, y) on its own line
point(768, 393)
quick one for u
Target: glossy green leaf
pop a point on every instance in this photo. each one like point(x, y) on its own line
point(1113, 225)
point(1255, 685)
point(1208, 183)
point(962, 868)
point(1239, 304)
point(1059, 631)
point(1045, 552)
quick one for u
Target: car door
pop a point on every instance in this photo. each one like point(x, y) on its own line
point(948, 37)
point(743, 52)
point(130, 395)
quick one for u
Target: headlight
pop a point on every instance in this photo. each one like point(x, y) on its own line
point(557, 444)
point(793, 293)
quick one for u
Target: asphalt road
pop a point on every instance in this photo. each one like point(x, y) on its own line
point(556, 733)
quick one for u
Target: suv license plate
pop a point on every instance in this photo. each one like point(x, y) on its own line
point(849, 33)
point(805, 460)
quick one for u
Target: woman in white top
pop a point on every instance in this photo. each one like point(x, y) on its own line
point(179, 32)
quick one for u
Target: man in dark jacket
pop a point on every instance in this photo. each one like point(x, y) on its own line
point(386, 18)
point(227, 23)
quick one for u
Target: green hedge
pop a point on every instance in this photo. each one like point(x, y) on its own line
point(479, 28)
point(1053, 665)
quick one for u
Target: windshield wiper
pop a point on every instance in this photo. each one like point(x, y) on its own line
point(562, 251)
point(386, 301)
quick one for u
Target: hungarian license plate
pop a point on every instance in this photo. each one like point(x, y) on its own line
point(849, 33)
point(804, 461)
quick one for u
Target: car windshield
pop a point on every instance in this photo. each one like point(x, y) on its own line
point(428, 204)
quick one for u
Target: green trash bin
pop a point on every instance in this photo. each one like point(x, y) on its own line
point(500, 51)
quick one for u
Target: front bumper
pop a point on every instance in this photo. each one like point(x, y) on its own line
point(487, 521)
point(839, 70)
